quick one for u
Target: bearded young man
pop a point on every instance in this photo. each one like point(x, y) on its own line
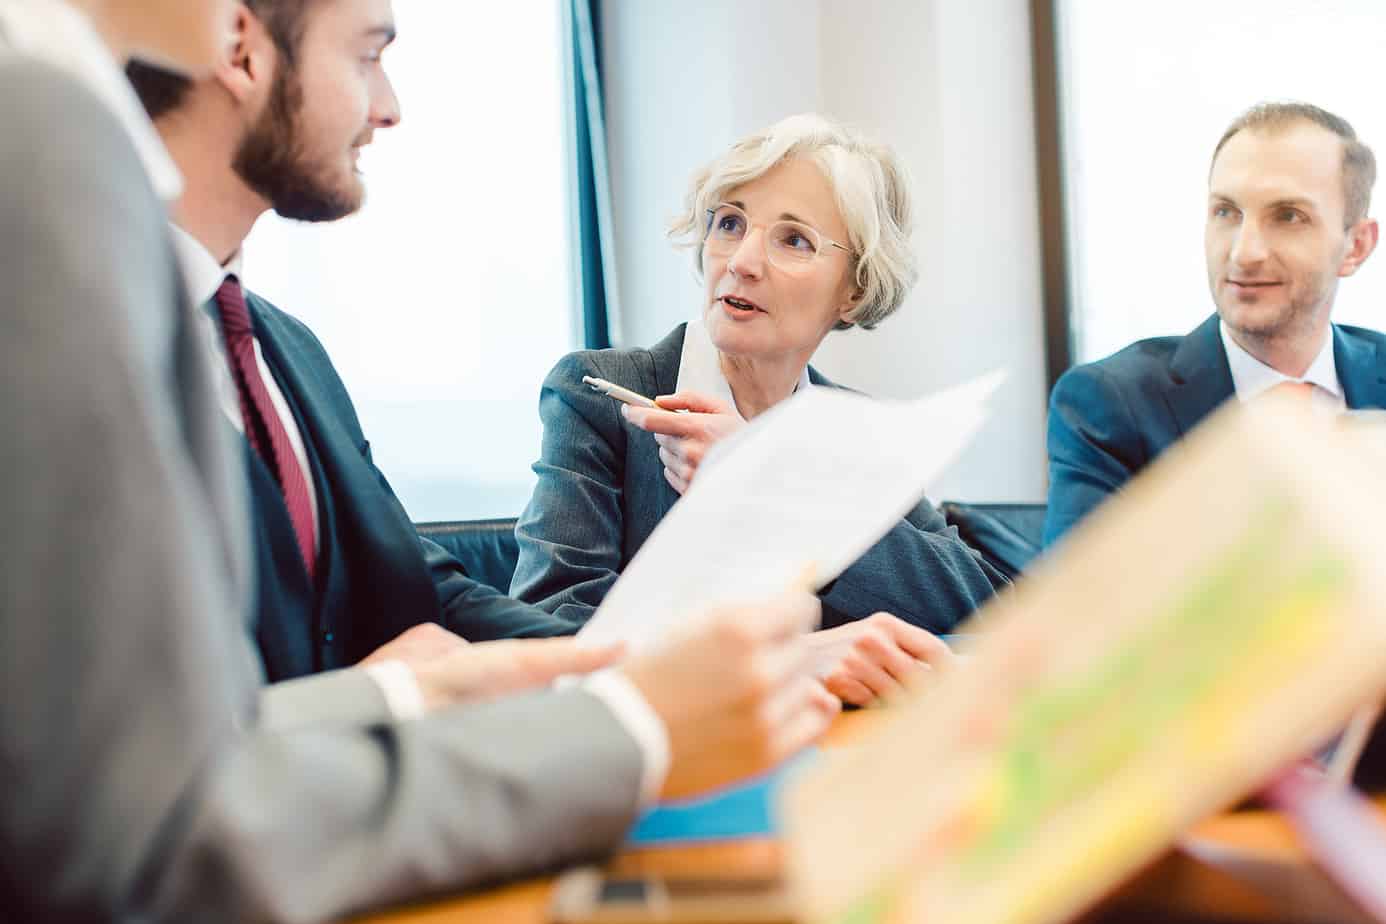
point(1287, 217)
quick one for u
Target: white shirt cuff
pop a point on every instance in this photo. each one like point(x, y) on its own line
point(635, 714)
point(400, 688)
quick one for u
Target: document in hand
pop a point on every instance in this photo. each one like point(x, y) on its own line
point(1218, 619)
point(811, 485)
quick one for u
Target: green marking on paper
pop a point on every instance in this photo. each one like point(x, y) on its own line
point(872, 908)
point(1065, 741)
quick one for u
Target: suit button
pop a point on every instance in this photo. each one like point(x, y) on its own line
point(327, 637)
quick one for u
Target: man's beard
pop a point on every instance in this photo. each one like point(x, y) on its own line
point(273, 161)
point(1300, 316)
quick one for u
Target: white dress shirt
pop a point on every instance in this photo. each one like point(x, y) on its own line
point(61, 35)
point(700, 367)
point(204, 277)
point(1251, 377)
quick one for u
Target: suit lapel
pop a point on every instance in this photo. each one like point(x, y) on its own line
point(363, 512)
point(822, 381)
point(1359, 370)
point(663, 359)
point(1200, 378)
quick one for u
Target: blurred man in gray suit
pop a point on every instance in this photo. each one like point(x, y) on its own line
point(149, 774)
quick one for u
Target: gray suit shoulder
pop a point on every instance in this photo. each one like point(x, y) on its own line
point(53, 122)
point(637, 368)
point(71, 173)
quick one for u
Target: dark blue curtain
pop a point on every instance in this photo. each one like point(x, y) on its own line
point(595, 263)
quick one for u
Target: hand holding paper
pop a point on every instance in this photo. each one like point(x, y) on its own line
point(820, 478)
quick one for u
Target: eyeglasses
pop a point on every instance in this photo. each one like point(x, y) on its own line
point(789, 245)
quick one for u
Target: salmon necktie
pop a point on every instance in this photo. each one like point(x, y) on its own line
point(1301, 392)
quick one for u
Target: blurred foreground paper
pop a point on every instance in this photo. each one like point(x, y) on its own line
point(1219, 618)
point(812, 484)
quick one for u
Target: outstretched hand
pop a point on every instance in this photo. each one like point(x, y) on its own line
point(487, 670)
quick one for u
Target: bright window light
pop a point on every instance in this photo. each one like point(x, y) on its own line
point(1148, 90)
point(445, 301)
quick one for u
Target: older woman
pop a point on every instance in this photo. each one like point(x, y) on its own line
point(797, 231)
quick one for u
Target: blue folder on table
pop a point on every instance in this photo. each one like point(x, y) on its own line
point(746, 810)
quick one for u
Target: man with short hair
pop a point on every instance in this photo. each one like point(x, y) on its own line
point(1288, 197)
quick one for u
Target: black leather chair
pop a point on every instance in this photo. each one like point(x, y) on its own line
point(1009, 535)
point(486, 548)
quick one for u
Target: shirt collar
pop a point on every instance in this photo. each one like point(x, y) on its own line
point(700, 367)
point(1251, 377)
point(58, 34)
point(201, 270)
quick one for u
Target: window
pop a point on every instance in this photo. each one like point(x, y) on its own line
point(446, 300)
point(1147, 90)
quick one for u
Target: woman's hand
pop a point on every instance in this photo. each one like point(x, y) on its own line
point(685, 438)
point(876, 658)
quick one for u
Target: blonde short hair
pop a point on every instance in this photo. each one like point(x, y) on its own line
point(869, 184)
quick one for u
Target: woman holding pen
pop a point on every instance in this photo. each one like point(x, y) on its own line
point(797, 231)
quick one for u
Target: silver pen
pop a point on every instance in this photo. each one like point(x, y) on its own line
point(612, 390)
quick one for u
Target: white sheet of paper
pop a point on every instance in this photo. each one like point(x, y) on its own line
point(813, 483)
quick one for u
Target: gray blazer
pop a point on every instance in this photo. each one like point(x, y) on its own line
point(601, 492)
point(146, 775)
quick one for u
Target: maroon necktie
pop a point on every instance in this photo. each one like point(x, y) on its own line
point(263, 427)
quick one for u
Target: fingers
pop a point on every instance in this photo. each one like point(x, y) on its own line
point(790, 614)
point(783, 710)
point(878, 648)
point(822, 700)
point(869, 660)
point(807, 724)
point(788, 697)
point(850, 691)
point(677, 483)
point(869, 673)
point(548, 659)
point(688, 451)
point(676, 465)
point(417, 644)
point(658, 421)
point(917, 642)
point(692, 401)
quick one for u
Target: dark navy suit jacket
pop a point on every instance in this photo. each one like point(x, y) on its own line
point(376, 576)
point(601, 492)
point(1110, 419)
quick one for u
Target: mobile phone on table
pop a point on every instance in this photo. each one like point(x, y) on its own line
point(589, 896)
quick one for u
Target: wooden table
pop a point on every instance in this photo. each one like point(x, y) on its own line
point(1208, 878)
